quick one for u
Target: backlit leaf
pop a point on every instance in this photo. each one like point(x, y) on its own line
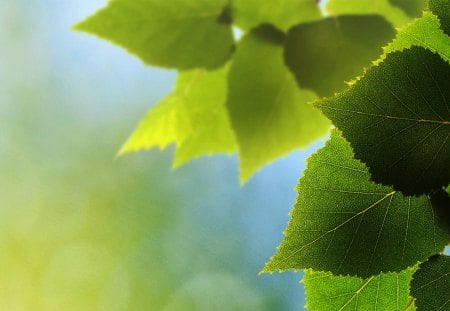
point(325, 54)
point(344, 223)
point(425, 32)
point(395, 15)
point(397, 119)
point(282, 13)
point(413, 8)
point(194, 117)
point(390, 291)
point(431, 284)
point(179, 34)
point(269, 113)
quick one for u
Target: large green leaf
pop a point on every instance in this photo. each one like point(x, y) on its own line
point(326, 53)
point(180, 34)
point(346, 224)
point(431, 284)
point(424, 32)
point(395, 15)
point(441, 8)
point(413, 8)
point(194, 117)
point(390, 291)
point(397, 119)
point(268, 112)
point(282, 13)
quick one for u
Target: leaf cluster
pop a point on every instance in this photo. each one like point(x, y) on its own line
point(372, 216)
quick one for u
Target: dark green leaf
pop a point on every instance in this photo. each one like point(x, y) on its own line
point(282, 13)
point(441, 8)
point(327, 53)
point(431, 284)
point(346, 224)
point(397, 119)
point(390, 291)
point(179, 34)
point(268, 112)
point(194, 119)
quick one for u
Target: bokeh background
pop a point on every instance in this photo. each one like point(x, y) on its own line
point(81, 229)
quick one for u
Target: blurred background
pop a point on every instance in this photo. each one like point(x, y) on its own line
point(83, 230)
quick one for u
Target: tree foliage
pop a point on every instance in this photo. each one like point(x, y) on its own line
point(371, 209)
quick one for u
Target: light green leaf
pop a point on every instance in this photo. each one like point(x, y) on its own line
point(397, 119)
point(346, 224)
point(268, 112)
point(325, 54)
point(394, 15)
point(423, 32)
point(390, 291)
point(431, 284)
point(282, 13)
point(194, 117)
point(179, 34)
point(413, 8)
point(441, 8)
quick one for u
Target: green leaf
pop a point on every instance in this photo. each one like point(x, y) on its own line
point(344, 223)
point(431, 284)
point(390, 291)
point(268, 112)
point(441, 8)
point(394, 15)
point(282, 14)
point(195, 119)
point(423, 32)
point(397, 119)
point(326, 53)
point(413, 8)
point(179, 34)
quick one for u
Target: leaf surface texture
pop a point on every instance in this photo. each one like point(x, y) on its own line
point(344, 223)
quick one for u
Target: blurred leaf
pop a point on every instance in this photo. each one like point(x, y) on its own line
point(403, 134)
point(268, 112)
point(394, 15)
point(179, 34)
point(413, 8)
point(282, 14)
point(431, 284)
point(346, 224)
point(423, 32)
point(389, 291)
point(194, 117)
point(325, 54)
point(441, 8)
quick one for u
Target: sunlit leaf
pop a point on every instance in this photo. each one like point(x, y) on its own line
point(325, 54)
point(397, 119)
point(423, 32)
point(413, 8)
point(194, 117)
point(268, 112)
point(346, 224)
point(431, 284)
point(282, 14)
point(441, 8)
point(390, 291)
point(180, 34)
point(396, 16)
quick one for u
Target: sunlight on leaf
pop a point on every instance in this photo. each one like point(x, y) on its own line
point(174, 34)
